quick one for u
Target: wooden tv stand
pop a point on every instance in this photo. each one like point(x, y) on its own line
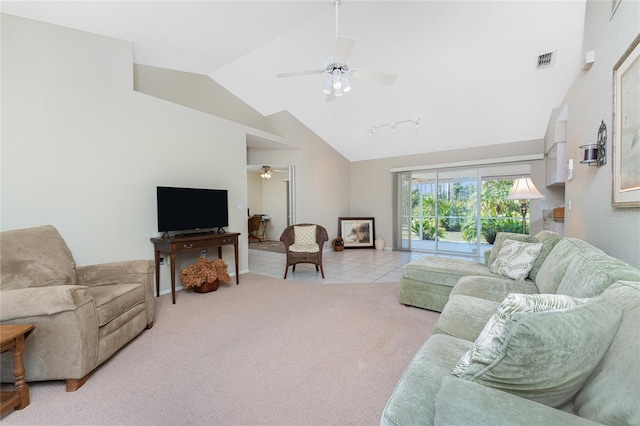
point(183, 243)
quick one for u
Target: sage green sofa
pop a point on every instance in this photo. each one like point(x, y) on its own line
point(592, 352)
point(82, 314)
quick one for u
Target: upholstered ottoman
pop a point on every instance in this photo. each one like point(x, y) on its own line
point(427, 281)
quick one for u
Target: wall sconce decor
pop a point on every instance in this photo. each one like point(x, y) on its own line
point(596, 153)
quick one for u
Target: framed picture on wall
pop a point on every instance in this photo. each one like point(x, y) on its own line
point(357, 232)
point(626, 128)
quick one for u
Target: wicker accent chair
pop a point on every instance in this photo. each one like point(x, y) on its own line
point(254, 227)
point(305, 248)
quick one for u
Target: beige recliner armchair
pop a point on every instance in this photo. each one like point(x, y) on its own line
point(82, 315)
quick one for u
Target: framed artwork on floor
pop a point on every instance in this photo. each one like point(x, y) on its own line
point(357, 232)
point(626, 129)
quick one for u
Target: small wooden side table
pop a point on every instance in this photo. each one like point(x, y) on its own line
point(12, 338)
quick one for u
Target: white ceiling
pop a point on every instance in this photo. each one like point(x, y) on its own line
point(467, 68)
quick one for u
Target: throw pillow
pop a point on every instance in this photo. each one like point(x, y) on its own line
point(495, 326)
point(516, 259)
point(501, 237)
point(304, 235)
point(542, 347)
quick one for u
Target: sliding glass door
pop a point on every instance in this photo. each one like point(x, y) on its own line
point(456, 211)
point(442, 203)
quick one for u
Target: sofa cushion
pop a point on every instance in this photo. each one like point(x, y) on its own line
point(515, 259)
point(113, 300)
point(35, 257)
point(465, 317)
point(611, 394)
point(413, 400)
point(592, 271)
point(441, 270)
point(547, 356)
point(492, 288)
point(501, 237)
point(548, 240)
point(555, 265)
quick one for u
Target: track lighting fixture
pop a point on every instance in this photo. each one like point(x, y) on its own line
point(393, 125)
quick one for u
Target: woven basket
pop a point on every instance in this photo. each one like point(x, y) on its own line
point(207, 287)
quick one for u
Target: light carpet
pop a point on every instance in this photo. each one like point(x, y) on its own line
point(265, 352)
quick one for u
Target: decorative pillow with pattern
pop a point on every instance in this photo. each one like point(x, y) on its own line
point(304, 239)
point(304, 235)
point(501, 237)
point(516, 259)
point(542, 347)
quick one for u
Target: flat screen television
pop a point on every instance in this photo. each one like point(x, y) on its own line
point(188, 209)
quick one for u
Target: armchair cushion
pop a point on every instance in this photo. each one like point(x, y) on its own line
point(35, 257)
point(304, 248)
point(112, 300)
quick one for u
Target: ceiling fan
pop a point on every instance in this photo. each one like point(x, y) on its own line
point(338, 69)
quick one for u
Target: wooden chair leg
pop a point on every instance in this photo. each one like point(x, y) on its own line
point(322, 271)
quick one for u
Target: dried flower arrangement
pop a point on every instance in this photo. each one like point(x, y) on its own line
point(204, 271)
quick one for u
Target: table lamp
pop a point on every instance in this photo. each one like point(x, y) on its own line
point(523, 189)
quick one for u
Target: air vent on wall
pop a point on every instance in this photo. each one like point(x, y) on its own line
point(546, 60)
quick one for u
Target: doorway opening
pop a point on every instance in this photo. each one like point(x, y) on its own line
point(273, 198)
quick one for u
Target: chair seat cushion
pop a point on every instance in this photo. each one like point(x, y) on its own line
point(304, 248)
point(112, 300)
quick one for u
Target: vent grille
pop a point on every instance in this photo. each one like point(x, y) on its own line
point(546, 60)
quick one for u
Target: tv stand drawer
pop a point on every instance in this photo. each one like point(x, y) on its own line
point(193, 244)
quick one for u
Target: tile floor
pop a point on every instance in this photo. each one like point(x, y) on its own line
point(355, 265)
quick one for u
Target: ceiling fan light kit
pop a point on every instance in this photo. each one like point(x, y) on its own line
point(338, 68)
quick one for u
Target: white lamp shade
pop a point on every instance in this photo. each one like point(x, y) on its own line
point(524, 189)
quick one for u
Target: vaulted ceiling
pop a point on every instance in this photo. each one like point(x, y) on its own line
point(467, 69)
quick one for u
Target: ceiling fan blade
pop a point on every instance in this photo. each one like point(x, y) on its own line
point(375, 76)
point(344, 46)
point(299, 73)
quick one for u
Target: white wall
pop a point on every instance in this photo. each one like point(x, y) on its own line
point(84, 152)
point(589, 101)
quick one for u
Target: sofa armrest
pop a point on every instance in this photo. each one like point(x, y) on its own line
point(124, 272)
point(463, 402)
point(42, 301)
